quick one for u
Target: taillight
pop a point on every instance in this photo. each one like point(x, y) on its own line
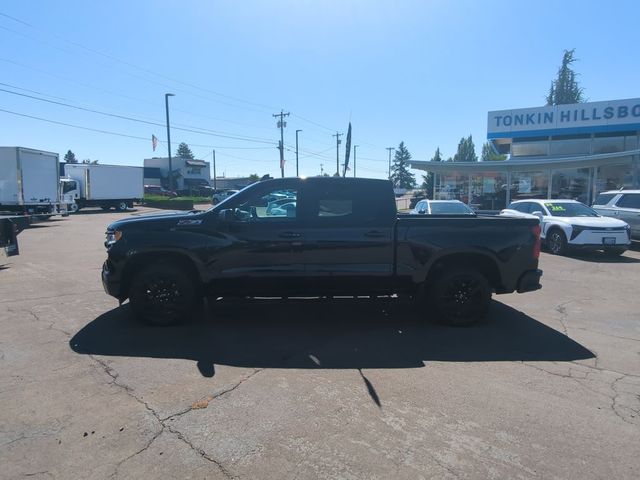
point(536, 246)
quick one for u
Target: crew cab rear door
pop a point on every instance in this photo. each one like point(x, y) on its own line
point(348, 238)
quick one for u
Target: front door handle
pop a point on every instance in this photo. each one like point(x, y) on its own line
point(290, 235)
point(374, 234)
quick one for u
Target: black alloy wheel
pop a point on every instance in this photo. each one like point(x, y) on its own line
point(163, 294)
point(461, 297)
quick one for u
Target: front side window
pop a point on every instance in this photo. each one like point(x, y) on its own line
point(604, 198)
point(629, 200)
point(269, 205)
point(68, 186)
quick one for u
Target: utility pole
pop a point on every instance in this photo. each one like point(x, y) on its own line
point(297, 173)
point(215, 189)
point(354, 160)
point(338, 142)
point(281, 124)
point(166, 104)
point(390, 150)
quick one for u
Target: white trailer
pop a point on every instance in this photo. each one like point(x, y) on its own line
point(104, 186)
point(29, 181)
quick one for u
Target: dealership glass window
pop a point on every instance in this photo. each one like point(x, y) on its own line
point(571, 183)
point(614, 177)
point(488, 191)
point(452, 186)
point(529, 185)
point(630, 142)
point(575, 146)
point(608, 144)
point(530, 149)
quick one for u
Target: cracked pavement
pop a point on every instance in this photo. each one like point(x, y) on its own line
point(547, 387)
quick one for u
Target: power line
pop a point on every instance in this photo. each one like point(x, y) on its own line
point(201, 131)
point(130, 65)
point(74, 126)
point(148, 71)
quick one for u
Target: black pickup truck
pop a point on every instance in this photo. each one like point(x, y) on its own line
point(318, 237)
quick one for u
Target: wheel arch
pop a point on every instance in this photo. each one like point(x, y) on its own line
point(480, 262)
point(138, 262)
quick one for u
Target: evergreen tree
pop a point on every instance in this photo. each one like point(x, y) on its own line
point(489, 155)
point(466, 151)
point(427, 180)
point(401, 177)
point(184, 151)
point(254, 177)
point(70, 157)
point(565, 89)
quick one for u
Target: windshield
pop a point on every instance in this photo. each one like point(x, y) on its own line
point(566, 209)
point(450, 208)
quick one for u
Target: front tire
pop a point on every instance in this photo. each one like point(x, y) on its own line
point(122, 206)
point(163, 294)
point(556, 242)
point(461, 297)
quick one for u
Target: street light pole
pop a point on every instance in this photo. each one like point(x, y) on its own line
point(166, 104)
point(354, 160)
point(297, 174)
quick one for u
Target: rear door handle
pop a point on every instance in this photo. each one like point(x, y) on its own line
point(374, 234)
point(290, 235)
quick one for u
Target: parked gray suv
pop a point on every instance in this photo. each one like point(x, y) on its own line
point(622, 204)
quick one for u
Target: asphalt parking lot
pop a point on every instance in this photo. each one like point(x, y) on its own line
point(547, 387)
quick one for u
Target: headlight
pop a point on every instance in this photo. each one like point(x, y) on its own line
point(112, 237)
point(577, 230)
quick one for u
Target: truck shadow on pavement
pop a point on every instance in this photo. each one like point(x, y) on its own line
point(332, 334)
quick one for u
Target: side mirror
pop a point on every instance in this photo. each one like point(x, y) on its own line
point(227, 215)
point(538, 214)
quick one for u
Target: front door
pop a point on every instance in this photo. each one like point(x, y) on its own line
point(628, 208)
point(256, 248)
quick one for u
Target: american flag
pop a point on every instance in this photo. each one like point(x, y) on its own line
point(154, 142)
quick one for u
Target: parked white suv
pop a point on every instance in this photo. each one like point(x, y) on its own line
point(622, 204)
point(571, 224)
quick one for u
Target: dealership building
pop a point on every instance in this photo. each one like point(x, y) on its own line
point(561, 151)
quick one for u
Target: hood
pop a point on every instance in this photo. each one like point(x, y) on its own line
point(168, 219)
point(600, 222)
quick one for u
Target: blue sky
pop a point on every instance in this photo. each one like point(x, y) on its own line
point(422, 72)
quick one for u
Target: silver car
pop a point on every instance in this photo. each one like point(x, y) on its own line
point(621, 204)
point(441, 207)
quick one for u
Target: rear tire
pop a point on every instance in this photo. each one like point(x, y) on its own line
point(556, 242)
point(163, 294)
point(461, 297)
point(122, 206)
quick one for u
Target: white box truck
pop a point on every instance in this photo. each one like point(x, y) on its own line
point(104, 186)
point(29, 181)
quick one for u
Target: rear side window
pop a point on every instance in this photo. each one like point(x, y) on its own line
point(344, 203)
point(604, 198)
point(335, 207)
point(629, 200)
point(520, 207)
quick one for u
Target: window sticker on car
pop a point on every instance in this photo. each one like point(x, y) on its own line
point(555, 208)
